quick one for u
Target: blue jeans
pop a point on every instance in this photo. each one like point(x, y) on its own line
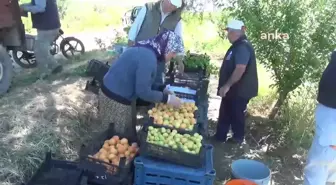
point(231, 115)
point(321, 161)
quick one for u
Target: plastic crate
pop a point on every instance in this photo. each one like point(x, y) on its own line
point(203, 126)
point(92, 86)
point(203, 92)
point(56, 172)
point(151, 122)
point(181, 131)
point(97, 69)
point(149, 171)
point(175, 156)
point(105, 173)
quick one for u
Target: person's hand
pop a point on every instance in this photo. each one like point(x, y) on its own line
point(167, 91)
point(180, 68)
point(223, 90)
point(130, 43)
point(174, 101)
point(333, 147)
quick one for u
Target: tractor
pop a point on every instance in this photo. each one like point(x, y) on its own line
point(12, 36)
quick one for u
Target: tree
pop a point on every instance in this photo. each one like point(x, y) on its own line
point(62, 7)
point(310, 28)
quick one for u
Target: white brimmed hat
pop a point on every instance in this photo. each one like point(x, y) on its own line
point(235, 24)
point(177, 3)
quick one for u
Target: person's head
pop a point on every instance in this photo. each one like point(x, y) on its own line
point(171, 5)
point(174, 45)
point(166, 45)
point(235, 29)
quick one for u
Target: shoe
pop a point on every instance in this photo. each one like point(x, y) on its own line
point(235, 141)
point(216, 139)
point(57, 69)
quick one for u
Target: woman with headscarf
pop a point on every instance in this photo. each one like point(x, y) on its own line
point(132, 76)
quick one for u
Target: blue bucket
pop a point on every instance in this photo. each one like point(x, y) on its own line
point(251, 170)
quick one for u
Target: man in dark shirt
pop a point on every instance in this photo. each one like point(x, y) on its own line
point(46, 20)
point(321, 161)
point(238, 83)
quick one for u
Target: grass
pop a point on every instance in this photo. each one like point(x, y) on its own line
point(57, 115)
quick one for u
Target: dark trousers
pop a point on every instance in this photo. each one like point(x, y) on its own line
point(231, 114)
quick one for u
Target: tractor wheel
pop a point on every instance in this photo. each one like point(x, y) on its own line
point(6, 71)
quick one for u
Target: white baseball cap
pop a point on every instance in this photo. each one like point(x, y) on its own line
point(235, 24)
point(177, 3)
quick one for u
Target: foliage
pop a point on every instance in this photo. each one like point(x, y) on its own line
point(196, 61)
point(312, 36)
point(62, 7)
point(199, 62)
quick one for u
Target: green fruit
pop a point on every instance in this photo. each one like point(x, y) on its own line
point(197, 150)
point(171, 143)
point(150, 128)
point(163, 130)
point(183, 140)
point(165, 134)
point(165, 122)
point(190, 145)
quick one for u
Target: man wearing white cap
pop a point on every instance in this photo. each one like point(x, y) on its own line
point(154, 18)
point(238, 83)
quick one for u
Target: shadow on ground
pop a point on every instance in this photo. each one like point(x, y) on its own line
point(261, 145)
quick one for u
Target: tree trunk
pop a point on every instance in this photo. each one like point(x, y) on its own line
point(278, 104)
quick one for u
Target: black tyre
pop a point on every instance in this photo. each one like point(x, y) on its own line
point(72, 47)
point(6, 71)
point(25, 59)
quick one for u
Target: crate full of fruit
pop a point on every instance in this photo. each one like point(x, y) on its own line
point(169, 145)
point(182, 119)
point(111, 159)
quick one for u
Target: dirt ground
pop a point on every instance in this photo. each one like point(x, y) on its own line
point(58, 115)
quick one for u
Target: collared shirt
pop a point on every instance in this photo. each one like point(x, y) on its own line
point(135, 28)
point(39, 7)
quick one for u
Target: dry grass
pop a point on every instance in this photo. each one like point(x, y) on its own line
point(55, 117)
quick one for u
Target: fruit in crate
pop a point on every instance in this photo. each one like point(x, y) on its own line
point(116, 148)
point(172, 139)
point(180, 118)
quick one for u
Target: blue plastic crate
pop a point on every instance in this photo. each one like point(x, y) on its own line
point(149, 171)
point(203, 120)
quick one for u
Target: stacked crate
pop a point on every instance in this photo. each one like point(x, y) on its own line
point(159, 164)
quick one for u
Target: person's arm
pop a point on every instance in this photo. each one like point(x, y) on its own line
point(143, 85)
point(179, 32)
point(135, 28)
point(242, 57)
point(39, 7)
point(180, 56)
